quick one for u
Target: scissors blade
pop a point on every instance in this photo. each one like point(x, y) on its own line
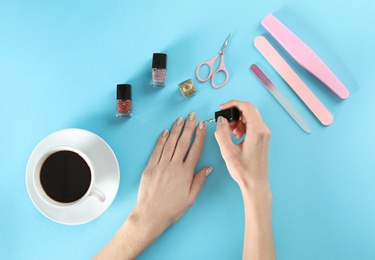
point(222, 50)
point(281, 98)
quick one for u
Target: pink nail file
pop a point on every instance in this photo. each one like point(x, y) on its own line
point(295, 82)
point(304, 55)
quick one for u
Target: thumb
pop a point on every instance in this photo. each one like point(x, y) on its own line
point(198, 182)
point(223, 135)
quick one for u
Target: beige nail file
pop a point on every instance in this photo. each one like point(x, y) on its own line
point(295, 82)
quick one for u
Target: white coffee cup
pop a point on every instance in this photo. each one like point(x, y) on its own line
point(92, 191)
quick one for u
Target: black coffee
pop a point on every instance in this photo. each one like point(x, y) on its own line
point(65, 176)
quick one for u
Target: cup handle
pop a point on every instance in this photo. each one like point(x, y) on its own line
point(97, 194)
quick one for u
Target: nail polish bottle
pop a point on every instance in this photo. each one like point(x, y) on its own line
point(124, 100)
point(159, 70)
point(187, 88)
point(232, 114)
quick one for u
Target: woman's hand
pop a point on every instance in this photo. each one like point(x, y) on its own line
point(247, 162)
point(168, 186)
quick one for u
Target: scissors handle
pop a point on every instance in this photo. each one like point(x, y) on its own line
point(220, 69)
point(210, 64)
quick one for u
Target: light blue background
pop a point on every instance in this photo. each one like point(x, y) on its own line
point(60, 62)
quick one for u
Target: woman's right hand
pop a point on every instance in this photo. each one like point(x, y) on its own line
point(247, 162)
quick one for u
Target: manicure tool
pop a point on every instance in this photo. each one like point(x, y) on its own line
point(231, 114)
point(295, 82)
point(210, 64)
point(281, 98)
point(304, 55)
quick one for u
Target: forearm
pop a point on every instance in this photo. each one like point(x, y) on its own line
point(136, 234)
point(258, 239)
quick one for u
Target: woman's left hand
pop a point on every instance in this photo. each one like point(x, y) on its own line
point(168, 186)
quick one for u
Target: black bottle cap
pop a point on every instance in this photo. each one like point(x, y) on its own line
point(231, 114)
point(124, 92)
point(159, 61)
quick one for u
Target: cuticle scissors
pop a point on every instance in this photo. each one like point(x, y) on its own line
point(210, 64)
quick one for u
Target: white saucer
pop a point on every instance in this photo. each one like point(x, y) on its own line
point(107, 175)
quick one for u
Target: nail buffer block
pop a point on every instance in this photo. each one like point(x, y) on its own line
point(295, 82)
point(304, 55)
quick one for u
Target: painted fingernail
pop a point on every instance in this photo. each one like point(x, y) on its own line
point(179, 121)
point(209, 170)
point(201, 125)
point(191, 116)
point(220, 120)
point(164, 133)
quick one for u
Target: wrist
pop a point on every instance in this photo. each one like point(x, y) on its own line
point(135, 235)
point(150, 224)
point(259, 192)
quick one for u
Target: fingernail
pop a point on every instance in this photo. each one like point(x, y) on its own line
point(201, 125)
point(179, 121)
point(164, 133)
point(209, 170)
point(191, 116)
point(220, 120)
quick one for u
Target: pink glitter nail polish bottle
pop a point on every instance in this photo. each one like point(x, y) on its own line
point(159, 70)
